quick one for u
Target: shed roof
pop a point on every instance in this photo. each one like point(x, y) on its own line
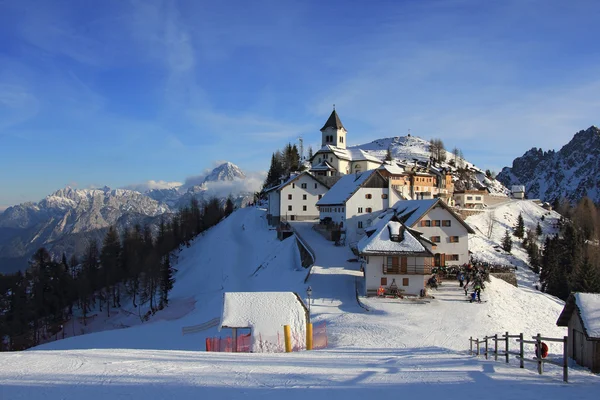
point(266, 311)
point(587, 306)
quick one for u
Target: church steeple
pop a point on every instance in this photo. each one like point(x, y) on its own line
point(333, 132)
point(333, 122)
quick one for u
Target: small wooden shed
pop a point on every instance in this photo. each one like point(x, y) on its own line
point(581, 315)
point(265, 314)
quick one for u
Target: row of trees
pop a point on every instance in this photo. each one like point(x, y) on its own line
point(283, 163)
point(570, 261)
point(135, 266)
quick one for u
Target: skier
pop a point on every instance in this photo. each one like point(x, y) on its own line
point(477, 291)
point(461, 278)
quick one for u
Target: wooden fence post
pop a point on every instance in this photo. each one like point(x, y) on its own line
point(495, 347)
point(486, 347)
point(471, 345)
point(538, 353)
point(477, 346)
point(565, 360)
point(506, 347)
point(521, 352)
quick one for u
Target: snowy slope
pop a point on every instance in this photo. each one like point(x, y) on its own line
point(396, 346)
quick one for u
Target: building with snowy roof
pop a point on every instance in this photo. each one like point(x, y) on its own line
point(333, 158)
point(395, 256)
point(581, 315)
point(265, 314)
point(353, 199)
point(295, 199)
point(441, 225)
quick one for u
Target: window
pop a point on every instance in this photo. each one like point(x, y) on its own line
point(342, 209)
point(383, 281)
point(316, 185)
point(435, 239)
point(303, 208)
point(289, 196)
point(404, 281)
point(469, 197)
point(453, 239)
point(436, 222)
point(359, 210)
point(384, 196)
point(478, 198)
point(289, 208)
point(319, 159)
point(369, 210)
point(368, 196)
point(425, 222)
point(453, 257)
point(303, 197)
point(360, 225)
point(320, 196)
point(293, 186)
point(303, 186)
point(446, 222)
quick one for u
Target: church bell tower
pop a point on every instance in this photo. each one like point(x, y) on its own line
point(333, 132)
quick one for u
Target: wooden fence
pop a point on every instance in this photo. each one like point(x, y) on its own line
point(520, 354)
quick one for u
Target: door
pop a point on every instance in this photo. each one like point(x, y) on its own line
point(578, 344)
point(392, 265)
point(404, 265)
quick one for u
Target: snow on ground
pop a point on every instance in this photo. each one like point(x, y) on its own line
point(491, 225)
point(380, 347)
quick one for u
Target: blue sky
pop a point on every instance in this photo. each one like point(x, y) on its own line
point(119, 92)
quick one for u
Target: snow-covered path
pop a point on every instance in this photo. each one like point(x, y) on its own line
point(333, 276)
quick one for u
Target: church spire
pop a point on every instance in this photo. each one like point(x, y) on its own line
point(333, 121)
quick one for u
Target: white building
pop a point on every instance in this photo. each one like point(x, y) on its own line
point(295, 199)
point(518, 191)
point(333, 158)
point(395, 255)
point(442, 226)
point(353, 199)
point(470, 198)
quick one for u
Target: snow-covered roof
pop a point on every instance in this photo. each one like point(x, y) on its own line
point(381, 242)
point(265, 313)
point(291, 179)
point(413, 210)
point(588, 306)
point(323, 166)
point(345, 188)
point(348, 154)
point(393, 169)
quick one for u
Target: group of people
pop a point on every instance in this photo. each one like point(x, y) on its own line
point(475, 277)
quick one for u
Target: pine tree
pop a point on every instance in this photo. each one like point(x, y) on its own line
point(538, 229)
point(507, 242)
point(166, 281)
point(520, 227)
point(110, 259)
point(388, 155)
point(276, 171)
point(229, 206)
point(310, 153)
point(587, 278)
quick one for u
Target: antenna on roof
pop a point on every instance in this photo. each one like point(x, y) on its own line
point(301, 148)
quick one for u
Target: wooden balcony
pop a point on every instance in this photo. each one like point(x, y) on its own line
point(406, 270)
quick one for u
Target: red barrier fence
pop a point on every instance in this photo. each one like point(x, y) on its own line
point(320, 336)
point(225, 345)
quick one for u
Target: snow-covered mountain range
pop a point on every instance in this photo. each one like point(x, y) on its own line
point(65, 220)
point(570, 173)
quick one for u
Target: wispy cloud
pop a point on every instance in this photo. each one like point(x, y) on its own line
point(151, 184)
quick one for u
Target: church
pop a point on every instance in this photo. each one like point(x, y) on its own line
point(333, 158)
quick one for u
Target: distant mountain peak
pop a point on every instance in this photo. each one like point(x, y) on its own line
point(225, 172)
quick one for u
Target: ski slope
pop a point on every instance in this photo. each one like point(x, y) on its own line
point(385, 347)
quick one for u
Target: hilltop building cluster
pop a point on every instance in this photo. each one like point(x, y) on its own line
point(402, 219)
